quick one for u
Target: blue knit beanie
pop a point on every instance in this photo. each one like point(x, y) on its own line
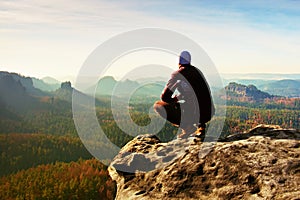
point(185, 58)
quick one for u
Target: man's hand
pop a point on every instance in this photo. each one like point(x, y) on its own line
point(175, 99)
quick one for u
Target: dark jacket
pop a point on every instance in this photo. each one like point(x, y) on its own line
point(192, 86)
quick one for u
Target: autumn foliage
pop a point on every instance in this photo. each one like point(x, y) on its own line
point(85, 179)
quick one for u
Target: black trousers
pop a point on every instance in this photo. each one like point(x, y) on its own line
point(178, 114)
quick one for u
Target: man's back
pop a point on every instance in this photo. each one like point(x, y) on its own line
point(193, 105)
point(201, 89)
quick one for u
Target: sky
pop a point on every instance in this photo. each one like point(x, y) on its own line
point(54, 38)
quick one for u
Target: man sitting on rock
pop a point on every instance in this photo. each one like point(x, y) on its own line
point(186, 99)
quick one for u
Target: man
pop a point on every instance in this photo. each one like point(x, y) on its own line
point(193, 106)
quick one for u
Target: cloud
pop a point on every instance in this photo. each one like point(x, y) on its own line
point(52, 34)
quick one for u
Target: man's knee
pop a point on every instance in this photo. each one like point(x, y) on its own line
point(159, 107)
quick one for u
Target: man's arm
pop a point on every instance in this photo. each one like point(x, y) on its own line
point(169, 89)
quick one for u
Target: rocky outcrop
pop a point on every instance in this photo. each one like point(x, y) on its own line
point(25, 82)
point(249, 93)
point(14, 95)
point(66, 85)
point(263, 163)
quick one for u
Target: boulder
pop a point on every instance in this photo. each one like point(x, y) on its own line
point(263, 163)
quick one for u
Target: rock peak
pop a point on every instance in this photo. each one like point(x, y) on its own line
point(263, 163)
point(66, 85)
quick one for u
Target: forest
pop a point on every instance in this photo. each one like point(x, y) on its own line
point(23, 151)
point(84, 179)
point(42, 156)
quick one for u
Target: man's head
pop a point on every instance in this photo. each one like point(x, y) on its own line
point(185, 58)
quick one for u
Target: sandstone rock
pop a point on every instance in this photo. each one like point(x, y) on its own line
point(263, 163)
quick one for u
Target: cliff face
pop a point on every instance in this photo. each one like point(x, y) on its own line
point(25, 82)
point(13, 94)
point(263, 163)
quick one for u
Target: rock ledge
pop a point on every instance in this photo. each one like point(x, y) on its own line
point(263, 163)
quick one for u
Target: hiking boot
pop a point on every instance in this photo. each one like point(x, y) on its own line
point(187, 132)
point(199, 133)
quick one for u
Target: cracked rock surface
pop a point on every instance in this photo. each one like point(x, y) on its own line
point(263, 163)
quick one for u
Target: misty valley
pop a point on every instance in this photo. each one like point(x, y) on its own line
point(42, 156)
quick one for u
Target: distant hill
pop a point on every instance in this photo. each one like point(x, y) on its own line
point(26, 109)
point(287, 88)
point(50, 80)
point(14, 95)
point(239, 92)
point(109, 86)
point(264, 83)
point(151, 89)
point(276, 84)
point(16, 89)
point(44, 85)
point(256, 82)
point(26, 82)
point(105, 86)
point(251, 96)
point(66, 92)
point(21, 111)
